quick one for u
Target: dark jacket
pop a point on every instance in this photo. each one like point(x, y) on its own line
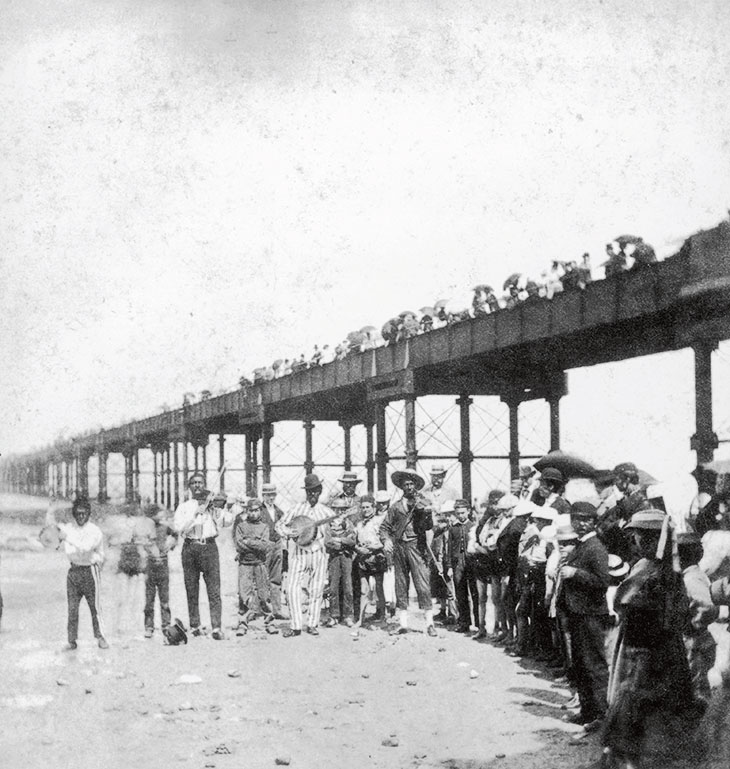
point(397, 519)
point(343, 530)
point(458, 539)
point(585, 592)
point(271, 523)
point(253, 540)
point(508, 543)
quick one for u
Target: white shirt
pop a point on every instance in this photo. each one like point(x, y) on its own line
point(194, 521)
point(368, 530)
point(84, 545)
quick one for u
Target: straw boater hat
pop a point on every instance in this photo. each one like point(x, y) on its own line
point(348, 477)
point(400, 476)
point(647, 520)
point(507, 502)
point(438, 469)
point(447, 506)
point(544, 513)
point(617, 567)
point(268, 488)
point(382, 496)
point(524, 507)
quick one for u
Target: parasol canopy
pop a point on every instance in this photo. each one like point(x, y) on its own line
point(484, 287)
point(513, 280)
point(427, 312)
point(356, 337)
point(406, 313)
point(369, 330)
point(277, 364)
point(568, 464)
point(626, 240)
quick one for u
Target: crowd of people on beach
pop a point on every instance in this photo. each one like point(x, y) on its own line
point(625, 253)
point(606, 592)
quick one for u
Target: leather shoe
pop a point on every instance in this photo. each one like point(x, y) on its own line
point(102, 643)
point(575, 718)
point(290, 633)
point(70, 647)
point(400, 631)
point(593, 726)
point(431, 630)
point(312, 631)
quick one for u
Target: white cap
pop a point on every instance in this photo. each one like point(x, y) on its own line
point(524, 507)
point(507, 502)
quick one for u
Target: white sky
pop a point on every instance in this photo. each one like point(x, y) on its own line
point(192, 189)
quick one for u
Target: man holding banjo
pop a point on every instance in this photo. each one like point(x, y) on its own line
point(304, 526)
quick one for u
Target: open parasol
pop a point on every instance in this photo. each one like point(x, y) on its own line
point(568, 464)
point(484, 287)
point(513, 280)
point(368, 330)
point(427, 312)
point(626, 240)
point(406, 313)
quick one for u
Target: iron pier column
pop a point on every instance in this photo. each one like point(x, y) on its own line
point(466, 457)
point(308, 458)
point(221, 462)
point(381, 458)
point(410, 417)
point(704, 441)
point(267, 431)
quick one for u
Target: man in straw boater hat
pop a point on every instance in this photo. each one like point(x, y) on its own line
point(307, 562)
point(439, 497)
point(584, 580)
point(271, 514)
point(407, 533)
point(197, 521)
point(348, 498)
point(83, 543)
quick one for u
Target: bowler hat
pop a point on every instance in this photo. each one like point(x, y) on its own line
point(648, 520)
point(551, 474)
point(312, 481)
point(176, 633)
point(348, 477)
point(399, 477)
point(583, 510)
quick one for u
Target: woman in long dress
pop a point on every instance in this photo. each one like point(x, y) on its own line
point(652, 712)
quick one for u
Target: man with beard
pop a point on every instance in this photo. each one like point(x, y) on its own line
point(407, 534)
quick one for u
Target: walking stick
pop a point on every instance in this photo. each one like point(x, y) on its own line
point(450, 598)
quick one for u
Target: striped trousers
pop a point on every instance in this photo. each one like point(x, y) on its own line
point(84, 582)
point(307, 571)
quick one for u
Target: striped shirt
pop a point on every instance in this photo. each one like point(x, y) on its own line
point(317, 513)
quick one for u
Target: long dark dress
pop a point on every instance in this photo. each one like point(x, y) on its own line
point(651, 710)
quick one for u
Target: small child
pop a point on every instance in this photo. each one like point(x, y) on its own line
point(698, 641)
point(157, 576)
point(252, 537)
point(371, 559)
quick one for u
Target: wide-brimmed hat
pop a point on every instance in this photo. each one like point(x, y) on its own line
point(544, 513)
point(648, 520)
point(526, 471)
point(253, 503)
point(494, 496)
point(626, 468)
point(176, 633)
point(564, 532)
point(382, 496)
point(400, 476)
point(312, 481)
point(548, 533)
point(551, 474)
point(348, 477)
point(617, 567)
point(524, 507)
point(438, 469)
point(268, 488)
point(339, 503)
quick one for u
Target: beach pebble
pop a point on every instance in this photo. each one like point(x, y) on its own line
point(189, 678)
point(186, 706)
point(411, 683)
point(62, 682)
point(282, 760)
point(390, 742)
point(473, 673)
point(234, 673)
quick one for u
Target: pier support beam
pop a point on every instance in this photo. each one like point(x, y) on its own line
point(221, 462)
point(704, 441)
point(466, 457)
point(370, 457)
point(308, 455)
point(381, 458)
point(267, 432)
point(410, 417)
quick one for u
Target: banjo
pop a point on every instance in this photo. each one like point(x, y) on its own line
point(304, 528)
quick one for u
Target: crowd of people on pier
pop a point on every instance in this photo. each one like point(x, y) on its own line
point(627, 252)
point(606, 592)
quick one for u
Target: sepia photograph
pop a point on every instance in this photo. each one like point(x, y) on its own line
point(365, 369)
